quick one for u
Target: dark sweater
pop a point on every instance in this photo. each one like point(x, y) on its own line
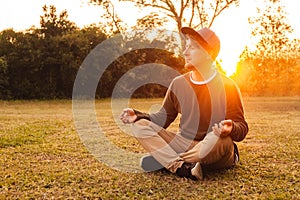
point(201, 106)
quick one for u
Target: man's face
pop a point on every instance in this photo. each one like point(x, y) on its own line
point(195, 56)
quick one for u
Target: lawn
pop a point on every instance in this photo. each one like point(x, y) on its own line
point(42, 156)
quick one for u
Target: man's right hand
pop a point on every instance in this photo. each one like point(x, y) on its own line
point(128, 116)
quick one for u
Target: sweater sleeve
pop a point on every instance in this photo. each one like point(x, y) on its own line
point(166, 114)
point(169, 110)
point(235, 112)
point(141, 115)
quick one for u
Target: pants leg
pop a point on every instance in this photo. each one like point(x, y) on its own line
point(163, 145)
point(213, 151)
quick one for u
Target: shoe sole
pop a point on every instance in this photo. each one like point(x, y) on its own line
point(197, 171)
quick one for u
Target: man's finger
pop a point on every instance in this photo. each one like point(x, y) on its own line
point(221, 125)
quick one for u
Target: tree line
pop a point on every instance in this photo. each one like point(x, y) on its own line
point(42, 63)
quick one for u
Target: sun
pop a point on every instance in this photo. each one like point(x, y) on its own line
point(229, 65)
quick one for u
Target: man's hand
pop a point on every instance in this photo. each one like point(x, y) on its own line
point(128, 116)
point(224, 128)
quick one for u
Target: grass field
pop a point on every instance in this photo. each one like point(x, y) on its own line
point(42, 156)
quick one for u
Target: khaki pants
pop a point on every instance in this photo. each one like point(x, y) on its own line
point(172, 150)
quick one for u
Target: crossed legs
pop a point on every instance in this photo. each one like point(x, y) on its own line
point(172, 150)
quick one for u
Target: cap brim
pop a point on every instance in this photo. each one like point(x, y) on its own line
point(188, 30)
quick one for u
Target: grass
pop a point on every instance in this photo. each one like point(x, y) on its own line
point(42, 156)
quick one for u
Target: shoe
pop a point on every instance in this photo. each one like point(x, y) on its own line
point(191, 171)
point(149, 164)
point(197, 171)
point(236, 154)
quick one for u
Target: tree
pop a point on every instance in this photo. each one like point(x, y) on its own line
point(53, 24)
point(54, 27)
point(274, 56)
point(114, 24)
point(192, 13)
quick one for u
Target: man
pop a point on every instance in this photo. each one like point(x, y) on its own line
point(212, 115)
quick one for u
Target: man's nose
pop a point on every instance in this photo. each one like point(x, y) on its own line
point(185, 52)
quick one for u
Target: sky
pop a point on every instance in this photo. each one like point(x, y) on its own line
point(231, 26)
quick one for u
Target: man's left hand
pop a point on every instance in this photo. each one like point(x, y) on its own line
point(224, 128)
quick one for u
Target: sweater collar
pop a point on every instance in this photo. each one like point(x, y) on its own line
point(203, 82)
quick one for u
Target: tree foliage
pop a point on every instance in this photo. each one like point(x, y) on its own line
point(4, 82)
point(269, 68)
point(53, 24)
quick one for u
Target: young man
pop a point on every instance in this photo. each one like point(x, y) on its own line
point(211, 109)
